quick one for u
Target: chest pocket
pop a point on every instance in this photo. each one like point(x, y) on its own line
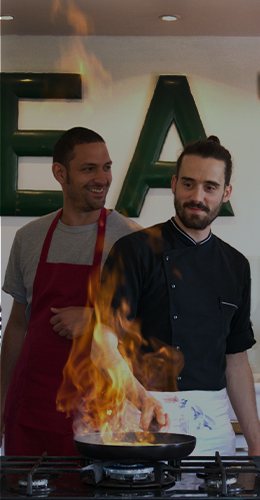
point(228, 310)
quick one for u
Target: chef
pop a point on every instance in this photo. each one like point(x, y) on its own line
point(190, 290)
point(53, 276)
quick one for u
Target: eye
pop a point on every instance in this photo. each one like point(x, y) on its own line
point(210, 188)
point(107, 168)
point(188, 185)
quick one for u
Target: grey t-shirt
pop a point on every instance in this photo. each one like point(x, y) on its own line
point(69, 244)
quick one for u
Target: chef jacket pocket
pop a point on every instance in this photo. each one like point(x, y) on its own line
point(228, 310)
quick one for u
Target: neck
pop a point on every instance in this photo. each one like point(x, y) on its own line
point(197, 235)
point(79, 218)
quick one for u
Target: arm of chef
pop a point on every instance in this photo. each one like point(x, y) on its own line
point(107, 358)
point(241, 391)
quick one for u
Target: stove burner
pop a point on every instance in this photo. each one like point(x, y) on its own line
point(214, 485)
point(212, 471)
point(134, 473)
point(217, 482)
point(113, 475)
point(36, 483)
point(38, 487)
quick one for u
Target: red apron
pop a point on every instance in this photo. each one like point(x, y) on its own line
point(31, 421)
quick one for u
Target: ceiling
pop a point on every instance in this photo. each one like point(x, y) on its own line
point(131, 17)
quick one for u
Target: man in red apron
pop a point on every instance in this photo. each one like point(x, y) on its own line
point(34, 354)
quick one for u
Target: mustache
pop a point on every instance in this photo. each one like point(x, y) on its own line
point(200, 206)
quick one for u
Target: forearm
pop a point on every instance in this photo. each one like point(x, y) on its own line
point(71, 322)
point(241, 391)
point(13, 339)
point(107, 358)
point(9, 356)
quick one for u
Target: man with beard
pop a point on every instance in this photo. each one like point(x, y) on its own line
point(53, 275)
point(183, 287)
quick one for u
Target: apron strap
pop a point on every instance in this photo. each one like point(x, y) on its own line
point(94, 270)
point(100, 237)
point(47, 241)
point(94, 276)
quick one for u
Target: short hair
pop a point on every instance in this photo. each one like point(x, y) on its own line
point(209, 148)
point(63, 151)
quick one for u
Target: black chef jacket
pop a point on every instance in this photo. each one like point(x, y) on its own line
point(194, 296)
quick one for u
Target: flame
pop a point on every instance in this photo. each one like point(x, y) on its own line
point(76, 58)
point(99, 404)
point(81, 23)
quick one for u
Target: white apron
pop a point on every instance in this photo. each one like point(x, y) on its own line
point(203, 414)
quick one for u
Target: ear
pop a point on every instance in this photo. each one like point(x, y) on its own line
point(173, 183)
point(59, 172)
point(227, 193)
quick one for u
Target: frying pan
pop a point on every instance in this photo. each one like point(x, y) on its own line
point(164, 446)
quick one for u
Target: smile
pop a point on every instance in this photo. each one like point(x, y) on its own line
point(196, 210)
point(199, 208)
point(97, 190)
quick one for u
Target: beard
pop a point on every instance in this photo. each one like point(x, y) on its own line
point(81, 197)
point(196, 221)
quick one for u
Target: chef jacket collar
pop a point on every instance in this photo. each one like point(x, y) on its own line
point(174, 223)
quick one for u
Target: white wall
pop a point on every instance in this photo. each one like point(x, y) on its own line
point(119, 77)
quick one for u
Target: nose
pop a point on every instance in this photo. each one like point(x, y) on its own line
point(198, 194)
point(100, 176)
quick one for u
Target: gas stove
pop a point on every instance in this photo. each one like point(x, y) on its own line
point(57, 478)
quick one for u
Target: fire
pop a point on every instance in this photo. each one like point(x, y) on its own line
point(76, 57)
point(81, 23)
point(97, 404)
point(100, 404)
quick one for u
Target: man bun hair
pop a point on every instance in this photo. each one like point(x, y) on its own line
point(63, 151)
point(209, 148)
point(213, 138)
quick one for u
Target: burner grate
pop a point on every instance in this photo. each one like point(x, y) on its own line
point(113, 475)
point(77, 478)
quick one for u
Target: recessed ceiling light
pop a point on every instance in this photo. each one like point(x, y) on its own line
point(169, 18)
point(6, 18)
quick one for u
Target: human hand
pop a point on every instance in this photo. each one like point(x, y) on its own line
point(70, 322)
point(153, 418)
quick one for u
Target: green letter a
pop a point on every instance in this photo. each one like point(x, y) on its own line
point(172, 102)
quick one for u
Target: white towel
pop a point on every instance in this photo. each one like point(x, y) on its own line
point(203, 414)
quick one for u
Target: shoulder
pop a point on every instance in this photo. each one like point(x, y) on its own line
point(150, 238)
point(119, 225)
point(234, 256)
point(123, 220)
point(36, 226)
point(33, 233)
